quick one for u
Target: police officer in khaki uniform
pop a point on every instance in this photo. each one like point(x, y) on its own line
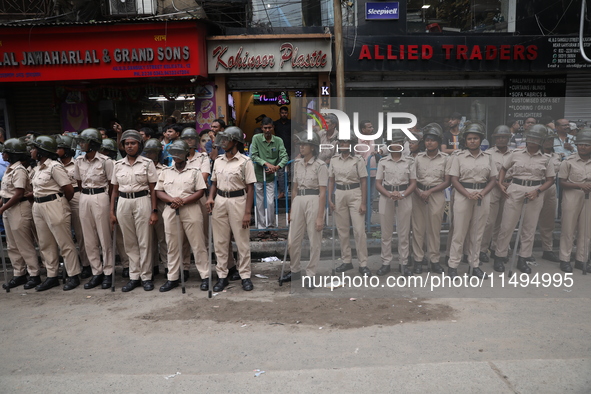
point(429, 199)
point(94, 172)
point(134, 178)
point(473, 175)
point(532, 176)
point(329, 138)
point(181, 187)
point(348, 173)
point(396, 181)
point(500, 137)
point(153, 150)
point(310, 177)
point(66, 154)
point(232, 186)
point(548, 212)
point(575, 182)
point(17, 216)
point(109, 149)
point(51, 213)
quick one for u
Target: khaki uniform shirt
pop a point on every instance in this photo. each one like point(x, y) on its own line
point(180, 184)
point(95, 173)
point(575, 170)
point(310, 175)
point(472, 169)
point(134, 178)
point(201, 162)
point(233, 174)
point(48, 178)
point(555, 160)
point(431, 171)
point(347, 171)
point(396, 172)
point(529, 167)
point(71, 170)
point(326, 153)
point(15, 177)
point(498, 157)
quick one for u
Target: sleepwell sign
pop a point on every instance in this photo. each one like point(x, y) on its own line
point(382, 11)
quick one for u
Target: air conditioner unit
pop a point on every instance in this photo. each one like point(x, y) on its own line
point(132, 7)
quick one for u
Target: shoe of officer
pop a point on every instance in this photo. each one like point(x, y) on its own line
point(437, 268)
point(94, 281)
point(452, 272)
point(247, 284)
point(480, 274)
point(291, 276)
point(148, 285)
point(86, 272)
point(581, 266)
point(169, 285)
point(550, 256)
point(15, 281)
point(464, 259)
point(221, 284)
point(33, 281)
point(531, 259)
point(107, 282)
point(566, 267)
point(344, 267)
point(522, 265)
point(364, 271)
point(384, 269)
point(48, 283)
point(72, 283)
point(233, 274)
point(155, 270)
point(492, 254)
point(132, 284)
point(204, 284)
point(499, 264)
point(404, 270)
point(418, 267)
point(125, 273)
point(483, 257)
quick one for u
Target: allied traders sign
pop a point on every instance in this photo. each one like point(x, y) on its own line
point(101, 52)
point(256, 56)
point(382, 11)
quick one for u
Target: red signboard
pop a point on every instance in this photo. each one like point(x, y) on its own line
point(101, 52)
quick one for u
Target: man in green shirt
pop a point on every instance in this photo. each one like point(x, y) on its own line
point(269, 155)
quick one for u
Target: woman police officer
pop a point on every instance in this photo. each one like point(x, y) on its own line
point(133, 180)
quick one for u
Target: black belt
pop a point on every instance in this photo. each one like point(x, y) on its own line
point(423, 187)
point(97, 190)
point(47, 198)
point(308, 192)
point(350, 186)
point(5, 200)
point(134, 194)
point(235, 193)
point(76, 189)
point(398, 188)
point(473, 185)
point(523, 182)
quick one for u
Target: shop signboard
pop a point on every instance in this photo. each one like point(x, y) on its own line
point(89, 52)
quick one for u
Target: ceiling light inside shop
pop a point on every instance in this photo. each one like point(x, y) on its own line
point(426, 6)
point(181, 97)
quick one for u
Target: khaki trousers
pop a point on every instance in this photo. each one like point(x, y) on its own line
point(469, 221)
point(303, 220)
point(511, 214)
point(133, 215)
point(191, 226)
point(493, 222)
point(52, 220)
point(434, 209)
point(547, 215)
point(159, 246)
point(77, 225)
point(226, 221)
point(20, 242)
point(576, 218)
point(96, 228)
point(389, 217)
point(119, 244)
point(346, 211)
point(450, 233)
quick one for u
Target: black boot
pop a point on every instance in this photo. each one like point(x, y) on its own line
point(404, 270)
point(550, 256)
point(33, 282)
point(233, 274)
point(247, 284)
point(221, 284)
point(566, 267)
point(365, 271)
point(107, 282)
point(479, 273)
point(86, 272)
point(581, 266)
point(48, 283)
point(483, 257)
point(499, 264)
point(344, 267)
point(418, 268)
point(15, 281)
point(384, 269)
point(522, 265)
point(95, 281)
point(204, 284)
point(436, 268)
point(125, 273)
point(72, 283)
point(132, 284)
point(148, 285)
point(452, 272)
point(291, 276)
point(169, 285)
